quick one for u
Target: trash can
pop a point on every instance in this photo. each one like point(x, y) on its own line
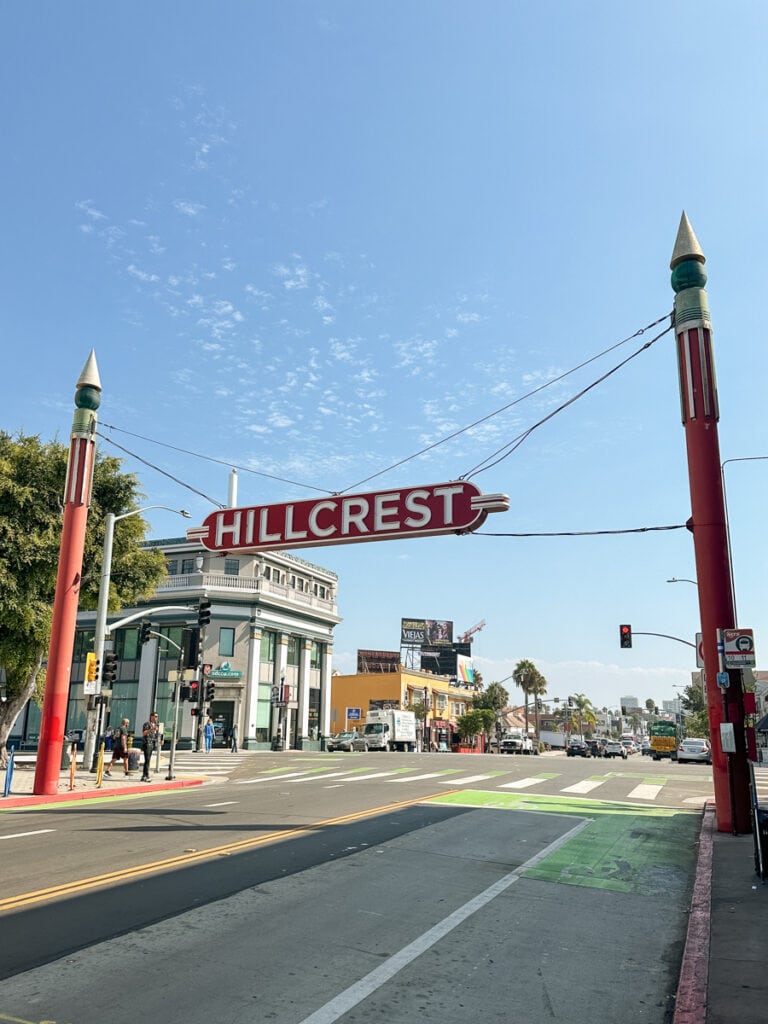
point(761, 837)
point(134, 759)
point(322, 742)
point(277, 743)
point(66, 760)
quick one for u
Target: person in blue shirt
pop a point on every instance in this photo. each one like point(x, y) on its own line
point(208, 735)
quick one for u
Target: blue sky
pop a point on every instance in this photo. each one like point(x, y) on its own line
point(310, 239)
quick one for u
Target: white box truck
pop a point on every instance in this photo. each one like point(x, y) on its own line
point(390, 730)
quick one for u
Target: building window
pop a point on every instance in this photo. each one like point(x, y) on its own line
point(268, 647)
point(226, 641)
point(172, 566)
point(187, 566)
point(316, 655)
point(294, 649)
point(231, 566)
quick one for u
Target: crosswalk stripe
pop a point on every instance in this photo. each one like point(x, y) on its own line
point(645, 791)
point(583, 787)
point(364, 778)
point(418, 778)
point(467, 779)
point(521, 783)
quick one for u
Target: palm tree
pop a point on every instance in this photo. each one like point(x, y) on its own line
point(530, 681)
point(585, 711)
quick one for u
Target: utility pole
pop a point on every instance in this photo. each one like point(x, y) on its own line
point(77, 499)
point(700, 415)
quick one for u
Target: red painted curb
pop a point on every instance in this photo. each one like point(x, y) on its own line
point(93, 794)
point(691, 1003)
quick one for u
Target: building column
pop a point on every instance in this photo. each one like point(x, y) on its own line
point(325, 690)
point(251, 693)
point(304, 676)
point(281, 716)
point(146, 687)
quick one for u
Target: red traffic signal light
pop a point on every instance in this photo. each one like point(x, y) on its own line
point(625, 636)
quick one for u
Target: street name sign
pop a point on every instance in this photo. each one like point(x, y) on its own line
point(394, 514)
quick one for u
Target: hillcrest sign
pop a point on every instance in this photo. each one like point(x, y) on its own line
point(394, 514)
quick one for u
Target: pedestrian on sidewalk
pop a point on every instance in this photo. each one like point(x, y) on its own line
point(208, 735)
point(149, 736)
point(233, 737)
point(119, 746)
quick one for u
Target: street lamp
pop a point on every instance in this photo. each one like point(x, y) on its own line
point(675, 579)
point(102, 608)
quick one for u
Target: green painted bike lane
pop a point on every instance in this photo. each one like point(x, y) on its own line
point(624, 848)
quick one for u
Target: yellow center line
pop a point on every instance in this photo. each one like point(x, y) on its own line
point(124, 874)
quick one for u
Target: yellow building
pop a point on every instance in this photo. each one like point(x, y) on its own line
point(353, 695)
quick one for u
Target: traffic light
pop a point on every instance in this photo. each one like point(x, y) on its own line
point(538, 705)
point(91, 667)
point(625, 635)
point(144, 630)
point(210, 691)
point(570, 702)
point(204, 612)
point(109, 670)
point(190, 645)
point(194, 691)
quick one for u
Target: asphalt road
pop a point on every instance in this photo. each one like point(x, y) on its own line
point(309, 889)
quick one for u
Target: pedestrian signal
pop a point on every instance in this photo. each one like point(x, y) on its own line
point(625, 636)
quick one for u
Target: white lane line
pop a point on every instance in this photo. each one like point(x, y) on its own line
point(583, 787)
point(22, 835)
point(366, 986)
point(645, 791)
point(520, 784)
point(224, 803)
point(466, 780)
point(418, 778)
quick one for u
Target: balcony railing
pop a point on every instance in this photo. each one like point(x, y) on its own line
point(245, 585)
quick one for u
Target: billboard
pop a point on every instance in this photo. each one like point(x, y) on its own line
point(378, 661)
point(425, 632)
point(465, 673)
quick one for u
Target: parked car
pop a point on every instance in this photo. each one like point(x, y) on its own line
point(613, 748)
point(629, 746)
point(346, 741)
point(694, 750)
point(577, 748)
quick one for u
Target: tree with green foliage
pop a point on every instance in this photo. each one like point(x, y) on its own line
point(470, 725)
point(496, 698)
point(584, 711)
point(32, 476)
point(695, 711)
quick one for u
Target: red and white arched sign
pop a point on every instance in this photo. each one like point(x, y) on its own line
point(393, 514)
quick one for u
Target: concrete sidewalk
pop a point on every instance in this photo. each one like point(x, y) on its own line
point(723, 978)
point(83, 786)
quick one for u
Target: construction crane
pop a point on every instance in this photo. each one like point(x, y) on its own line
point(466, 637)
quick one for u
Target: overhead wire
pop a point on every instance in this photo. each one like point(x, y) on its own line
point(487, 463)
point(490, 461)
